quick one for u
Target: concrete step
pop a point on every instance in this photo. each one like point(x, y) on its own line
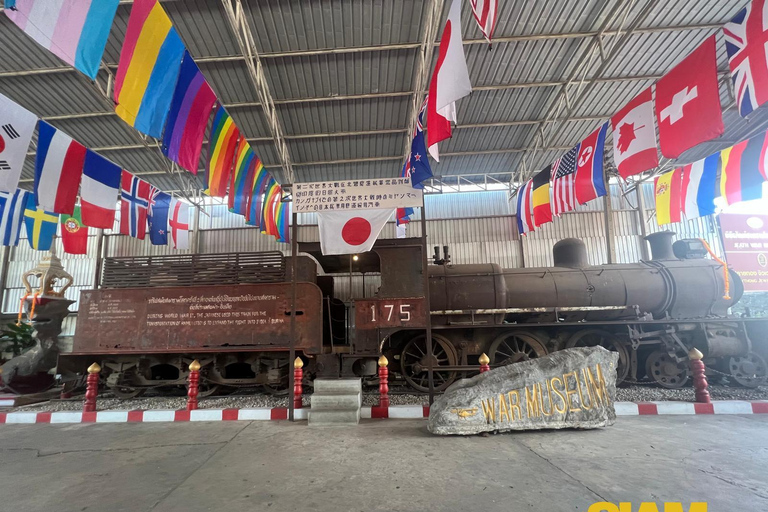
point(338, 386)
point(334, 417)
point(335, 401)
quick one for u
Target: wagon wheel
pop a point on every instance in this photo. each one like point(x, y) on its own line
point(515, 347)
point(599, 337)
point(665, 371)
point(748, 370)
point(126, 392)
point(414, 362)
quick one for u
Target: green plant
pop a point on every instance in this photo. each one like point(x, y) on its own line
point(16, 338)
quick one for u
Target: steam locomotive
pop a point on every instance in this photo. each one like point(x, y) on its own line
point(153, 315)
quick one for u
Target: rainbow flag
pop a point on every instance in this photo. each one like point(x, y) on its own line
point(253, 214)
point(149, 67)
point(240, 188)
point(191, 107)
point(284, 222)
point(742, 170)
point(668, 188)
point(221, 152)
point(76, 31)
point(271, 199)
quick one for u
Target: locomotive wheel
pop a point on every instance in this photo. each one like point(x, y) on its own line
point(207, 389)
point(665, 371)
point(748, 370)
point(515, 347)
point(595, 337)
point(414, 362)
point(126, 392)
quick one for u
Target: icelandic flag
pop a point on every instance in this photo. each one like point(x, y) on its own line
point(134, 201)
point(41, 225)
point(99, 190)
point(58, 168)
point(12, 205)
point(159, 203)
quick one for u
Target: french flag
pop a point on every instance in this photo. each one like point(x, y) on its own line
point(99, 191)
point(58, 168)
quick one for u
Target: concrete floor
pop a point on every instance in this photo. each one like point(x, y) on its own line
point(392, 465)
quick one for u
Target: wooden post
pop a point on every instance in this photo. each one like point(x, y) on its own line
point(700, 383)
point(294, 266)
point(484, 363)
point(92, 388)
point(383, 382)
point(298, 375)
point(194, 385)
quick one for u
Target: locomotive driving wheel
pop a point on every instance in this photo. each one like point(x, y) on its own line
point(665, 371)
point(515, 347)
point(414, 361)
point(126, 392)
point(748, 370)
point(595, 337)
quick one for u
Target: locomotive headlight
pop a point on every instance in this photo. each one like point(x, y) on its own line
point(355, 257)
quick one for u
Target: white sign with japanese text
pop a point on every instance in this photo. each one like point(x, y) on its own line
point(355, 195)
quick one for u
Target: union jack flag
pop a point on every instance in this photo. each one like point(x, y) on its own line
point(564, 182)
point(745, 39)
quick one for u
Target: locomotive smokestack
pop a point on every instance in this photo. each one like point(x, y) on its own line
point(661, 245)
point(570, 253)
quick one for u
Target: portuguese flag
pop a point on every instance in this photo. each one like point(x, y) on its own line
point(74, 234)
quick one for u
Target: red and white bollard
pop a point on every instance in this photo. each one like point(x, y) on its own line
point(484, 363)
point(383, 382)
point(194, 385)
point(700, 383)
point(92, 388)
point(298, 376)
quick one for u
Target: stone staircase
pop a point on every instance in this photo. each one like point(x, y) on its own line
point(336, 402)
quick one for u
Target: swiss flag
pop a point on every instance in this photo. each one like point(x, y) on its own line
point(350, 232)
point(688, 102)
point(634, 136)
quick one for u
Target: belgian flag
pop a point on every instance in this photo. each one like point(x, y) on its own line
point(542, 209)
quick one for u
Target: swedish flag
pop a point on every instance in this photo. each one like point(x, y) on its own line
point(41, 225)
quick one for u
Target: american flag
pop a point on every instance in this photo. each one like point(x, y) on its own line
point(564, 182)
point(745, 37)
point(485, 12)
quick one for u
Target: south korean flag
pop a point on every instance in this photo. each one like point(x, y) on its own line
point(16, 127)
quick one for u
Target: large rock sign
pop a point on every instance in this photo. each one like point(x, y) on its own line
point(572, 388)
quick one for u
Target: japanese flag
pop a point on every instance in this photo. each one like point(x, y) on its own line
point(350, 232)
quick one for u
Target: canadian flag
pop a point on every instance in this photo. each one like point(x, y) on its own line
point(350, 232)
point(634, 137)
point(688, 102)
point(450, 82)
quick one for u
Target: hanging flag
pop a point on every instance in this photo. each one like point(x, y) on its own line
point(284, 222)
point(743, 170)
point(271, 200)
point(239, 188)
point(99, 190)
point(148, 69)
point(76, 31)
point(157, 216)
point(418, 163)
point(542, 209)
point(17, 125)
point(178, 224)
point(525, 221)
point(485, 12)
point(350, 232)
point(401, 231)
point(58, 168)
point(688, 102)
point(12, 206)
point(221, 152)
point(668, 192)
point(134, 201)
point(41, 225)
point(590, 180)
point(254, 171)
point(698, 187)
point(745, 37)
point(255, 206)
point(564, 182)
point(450, 82)
point(74, 234)
point(191, 107)
point(403, 215)
point(634, 137)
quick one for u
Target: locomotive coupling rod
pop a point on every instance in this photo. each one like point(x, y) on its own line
point(525, 310)
point(453, 368)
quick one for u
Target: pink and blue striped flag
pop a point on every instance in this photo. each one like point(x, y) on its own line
point(76, 31)
point(190, 110)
